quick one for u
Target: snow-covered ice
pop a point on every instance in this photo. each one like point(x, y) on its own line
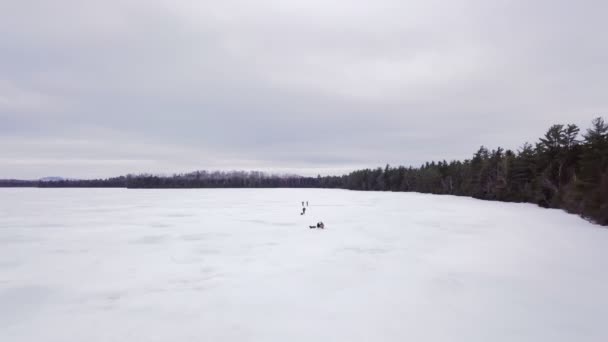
point(242, 265)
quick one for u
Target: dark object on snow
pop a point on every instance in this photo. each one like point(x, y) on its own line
point(319, 225)
point(303, 211)
point(307, 203)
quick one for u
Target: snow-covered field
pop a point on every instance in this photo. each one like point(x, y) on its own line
point(242, 265)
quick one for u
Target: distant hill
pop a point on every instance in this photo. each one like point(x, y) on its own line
point(51, 179)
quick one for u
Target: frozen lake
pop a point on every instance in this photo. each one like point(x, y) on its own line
point(242, 265)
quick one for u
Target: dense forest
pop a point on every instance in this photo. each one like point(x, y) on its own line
point(563, 169)
point(558, 171)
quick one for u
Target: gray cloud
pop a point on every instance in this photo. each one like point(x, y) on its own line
point(106, 88)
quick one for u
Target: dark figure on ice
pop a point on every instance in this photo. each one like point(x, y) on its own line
point(319, 225)
point(303, 211)
point(307, 203)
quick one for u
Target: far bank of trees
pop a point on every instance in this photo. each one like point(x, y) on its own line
point(221, 179)
point(563, 169)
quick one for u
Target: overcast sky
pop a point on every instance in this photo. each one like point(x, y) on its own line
point(103, 88)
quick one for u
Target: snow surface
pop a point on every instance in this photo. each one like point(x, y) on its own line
point(242, 265)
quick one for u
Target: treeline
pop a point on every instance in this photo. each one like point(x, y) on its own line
point(563, 169)
point(114, 182)
point(219, 179)
point(198, 179)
